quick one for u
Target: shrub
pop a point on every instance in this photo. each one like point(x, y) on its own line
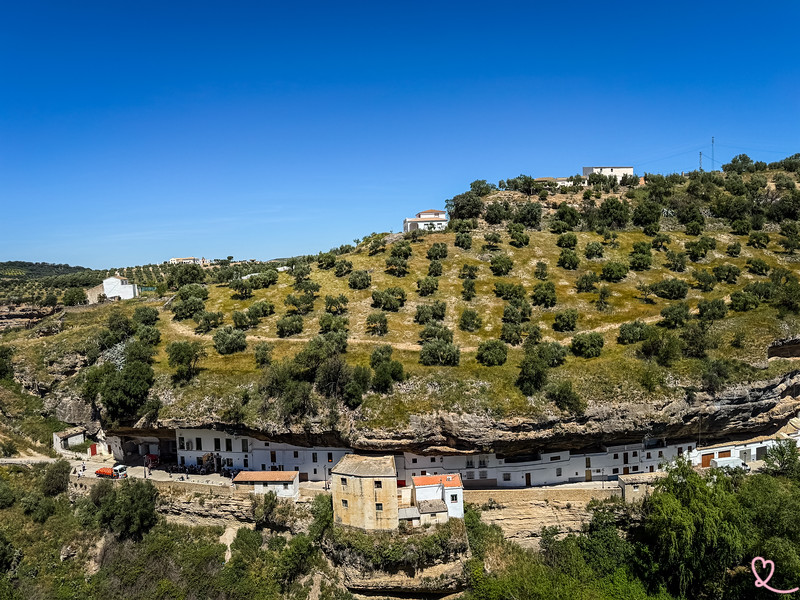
point(511, 333)
point(56, 478)
point(568, 259)
point(614, 271)
point(694, 228)
point(337, 305)
point(566, 320)
point(468, 272)
point(187, 309)
point(439, 352)
point(263, 354)
point(463, 240)
point(74, 296)
point(727, 273)
point(586, 282)
point(640, 262)
point(740, 227)
point(633, 332)
point(671, 289)
point(704, 280)
point(509, 291)
point(430, 312)
point(675, 315)
point(184, 356)
point(145, 315)
point(529, 214)
point(734, 249)
point(437, 251)
point(540, 272)
point(744, 301)
point(593, 250)
point(289, 325)
point(427, 286)
point(435, 268)
point(329, 322)
point(470, 320)
point(676, 261)
point(228, 340)
point(396, 266)
point(758, 239)
point(492, 353)
point(587, 345)
point(377, 324)
point(661, 345)
point(757, 266)
point(567, 240)
point(468, 289)
point(544, 294)
point(660, 241)
point(492, 241)
point(558, 227)
point(359, 280)
point(613, 213)
point(342, 268)
point(501, 264)
point(497, 212)
point(532, 374)
point(565, 398)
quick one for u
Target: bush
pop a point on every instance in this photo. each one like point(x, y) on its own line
point(342, 268)
point(74, 296)
point(492, 241)
point(586, 282)
point(492, 353)
point(435, 268)
point(587, 345)
point(56, 478)
point(675, 315)
point(329, 322)
point(377, 324)
point(734, 249)
point(757, 266)
point(511, 333)
point(727, 273)
point(228, 340)
point(439, 352)
point(468, 272)
point(676, 261)
point(470, 320)
point(640, 262)
point(529, 214)
point(430, 312)
point(187, 309)
point(501, 264)
point(145, 315)
point(289, 325)
point(544, 294)
point(567, 240)
point(396, 266)
point(593, 250)
point(663, 346)
point(206, 321)
point(614, 271)
point(532, 374)
point(744, 301)
point(704, 280)
point(359, 280)
point(184, 356)
point(633, 332)
point(712, 310)
point(509, 291)
point(558, 227)
point(566, 320)
point(468, 289)
point(264, 354)
point(463, 240)
point(540, 272)
point(437, 251)
point(427, 286)
point(671, 289)
point(758, 239)
point(568, 259)
point(565, 398)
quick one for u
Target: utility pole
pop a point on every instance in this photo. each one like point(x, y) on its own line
point(713, 164)
point(701, 161)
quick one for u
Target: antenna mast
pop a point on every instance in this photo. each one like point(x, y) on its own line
point(701, 161)
point(713, 164)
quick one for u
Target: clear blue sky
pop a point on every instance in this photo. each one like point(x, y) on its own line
point(131, 132)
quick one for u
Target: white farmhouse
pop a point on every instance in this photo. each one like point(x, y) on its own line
point(64, 440)
point(285, 484)
point(427, 220)
point(446, 488)
point(113, 288)
point(189, 260)
point(616, 172)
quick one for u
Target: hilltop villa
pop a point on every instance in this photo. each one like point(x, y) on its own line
point(427, 220)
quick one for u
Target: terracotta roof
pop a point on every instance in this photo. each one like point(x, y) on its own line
point(365, 466)
point(265, 476)
point(431, 210)
point(449, 480)
point(414, 220)
point(431, 506)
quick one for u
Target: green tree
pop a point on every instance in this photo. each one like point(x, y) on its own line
point(289, 325)
point(492, 353)
point(130, 510)
point(568, 259)
point(501, 264)
point(565, 398)
point(6, 366)
point(540, 272)
point(74, 296)
point(184, 358)
point(783, 459)
point(228, 340)
point(439, 352)
point(470, 320)
point(145, 315)
point(359, 280)
point(544, 294)
point(587, 345)
point(566, 320)
point(377, 324)
point(55, 479)
point(614, 271)
point(181, 275)
point(427, 286)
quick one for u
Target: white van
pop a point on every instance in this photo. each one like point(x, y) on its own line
point(729, 463)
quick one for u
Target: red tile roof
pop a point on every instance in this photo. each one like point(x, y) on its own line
point(430, 210)
point(265, 476)
point(449, 480)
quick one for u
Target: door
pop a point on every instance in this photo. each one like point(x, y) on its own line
point(272, 456)
point(625, 459)
point(588, 474)
point(651, 468)
point(724, 454)
point(527, 480)
point(303, 477)
point(93, 449)
point(626, 470)
point(705, 460)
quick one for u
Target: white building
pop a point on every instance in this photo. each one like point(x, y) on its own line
point(285, 484)
point(447, 488)
point(427, 220)
point(189, 260)
point(113, 288)
point(64, 440)
point(616, 172)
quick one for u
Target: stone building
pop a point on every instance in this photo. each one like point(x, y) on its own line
point(364, 490)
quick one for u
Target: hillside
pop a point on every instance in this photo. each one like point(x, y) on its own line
point(712, 284)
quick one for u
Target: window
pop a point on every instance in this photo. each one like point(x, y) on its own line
point(481, 462)
point(183, 461)
point(296, 454)
point(266, 444)
point(330, 456)
point(378, 485)
point(344, 480)
point(313, 457)
point(470, 463)
point(616, 456)
point(217, 445)
point(286, 486)
point(229, 462)
point(648, 455)
point(423, 472)
point(660, 454)
point(614, 471)
point(483, 474)
point(263, 467)
point(506, 476)
point(552, 458)
point(453, 497)
point(634, 468)
point(413, 461)
point(379, 506)
point(297, 468)
point(470, 474)
point(635, 453)
point(228, 445)
point(433, 459)
point(246, 463)
point(558, 472)
point(315, 471)
point(181, 444)
point(680, 450)
point(688, 448)
point(272, 457)
point(588, 462)
point(344, 503)
point(198, 443)
point(244, 445)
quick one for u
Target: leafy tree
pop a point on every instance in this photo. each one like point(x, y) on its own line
point(744, 301)
point(55, 479)
point(552, 353)
point(566, 320)
point(470, 320)
point(437, 251)
point(184, 357)
point(359, 280)
point(603, 294)
point(336, 305)
point(696, 339)
point(492, 353)
point(648, 212)
point(242, 287)
point(396, 266)
point(783, 459)
point(593, 250)
point(228, 340)
point(586, 282)
point(129, 510)
point(568, 215)
point(568, 259)
point(518, 236)
point(492, 241)
point(187, 309)
point(540, 272)
point(329, 322)
point(671, 289)
point(74, 296)
point(468, 272)
point(565, 398)
point(326, 261)
point(342, 268)
point(511, 333)
point(559, 227)
point(206, 321)
point(463, 240)
point(614, 271)
point(439, 352)
point(497, 212)
point(727, 273)
point(465, 206)
point(758, 239)
point(734, 249)
point(263, 352)
point(192, 290)
point(790, 237)
point(301, 304)
point(544, 294)
point(377, 245)
point(661, 345)
point(712, 310)
point(613, 213)
point(694, 228)
point(289, 325)
point(181, 275)
point(533, 374)
point(640, 261)
point(757, 266)
point(675, 315)
point(145, 315)
point(528, 214)
point(125, 391)
point(633, 332)
point(6, 366)
point(660, 242)
point(587, 345)
point(501, 264)
point(704, 280)
point(468, 289)
point(435, 268)
point(435, 331)
point(676, 261)
point(567, 240)
point(377, 324)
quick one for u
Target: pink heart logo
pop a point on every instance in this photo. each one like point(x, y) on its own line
point(763, 564)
